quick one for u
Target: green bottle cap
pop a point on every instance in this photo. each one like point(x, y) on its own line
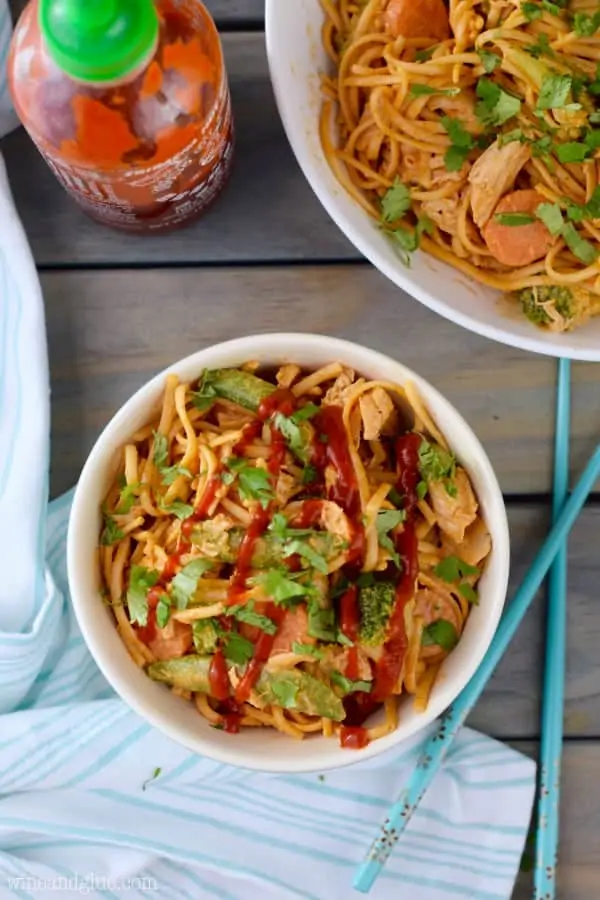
point(98, 40)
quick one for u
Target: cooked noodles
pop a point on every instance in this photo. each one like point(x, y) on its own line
point(469, 128)
point(295, 551)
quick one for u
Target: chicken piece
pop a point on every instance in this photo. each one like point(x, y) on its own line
point(493, 175)
point(285, 488)
point(293, 629)
point(417, 18)
point(337, 659)
point(461, 107)
point(378, 413)
point(287, 375)
point(331, 518)
point(444, 212)
point(454, 514)
point(432, 604)
point(174, 640)
point(338, 392)
point(214, 539)
point(474, 547)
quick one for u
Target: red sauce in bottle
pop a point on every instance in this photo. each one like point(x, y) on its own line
point(147, 149)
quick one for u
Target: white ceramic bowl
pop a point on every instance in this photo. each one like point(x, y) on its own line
point(264, 749)
point(296, 58)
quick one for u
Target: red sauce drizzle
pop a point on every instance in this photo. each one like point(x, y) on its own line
point(353, 737)
point(334, 450)
point(262, 651)
point(309, 515)
point(174, 561)
point(231, 715)
point(249, 433)
point(256, 528)
point(147, 633)
point(407, 466)
point(280, 401)
point(217, 676)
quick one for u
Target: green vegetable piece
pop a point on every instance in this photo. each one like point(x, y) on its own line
point(140, 582)
point(496, 106)
point(185, 583)
point(441, 634)
point(245, 612)
point(348, 686)
point(514, 220)
point(269, 550)
point(298, 434)
point(535, 302)
point(240, 387)
point(376, 603)
point(297, 690)
point(452, 568)
point(190, 673)
point(111, 532)
point(396, 202)
point(206, 636)
point(322, 623)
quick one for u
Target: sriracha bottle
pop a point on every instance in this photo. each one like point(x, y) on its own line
point(128, 103)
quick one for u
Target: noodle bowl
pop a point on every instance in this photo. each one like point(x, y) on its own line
point(213, 531)
point(470, 131)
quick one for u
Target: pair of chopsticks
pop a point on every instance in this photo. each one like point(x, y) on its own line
point(552, 554)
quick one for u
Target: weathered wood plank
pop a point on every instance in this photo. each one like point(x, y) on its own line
point(109, 331)
point(268, 211)
point(225, 12)
point(579, 855)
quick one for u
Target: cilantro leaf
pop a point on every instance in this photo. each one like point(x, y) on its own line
point(437, 464)
point(185, 583)
point(452, 568)
point(395, 497)
point(322, 623)
point(585, 25)
point(441, 634)
point(421, 490)
point(308, 411)
point(495, 106)
point(579, 246)
point(407, 243)
point(551, 215)
point(396, 202)
point(160, 450)
point(572, 152)
point(278, 586)
point(253, 483)
point(169, 473)
point(424, 55)
point(514, 219)
point(531, 11)
point(127, 498)
point(308, 553)
point(206, 394)
point(307, 650)
point(469, 593)
point(348, 686)
point(555, 91)
point(291, 431)
point(163, 610)
point(246, 613)
point(140, 582)
point(206, 633)
point(309, 474)
point(237, 649)
point(489, 61)
point(111, 532)
point(421, 90)
point(178, 508)
point(154, 775)
point(462, 143)
point(387, 520)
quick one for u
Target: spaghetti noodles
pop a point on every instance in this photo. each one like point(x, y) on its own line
point(293, 551)
point(469, 128)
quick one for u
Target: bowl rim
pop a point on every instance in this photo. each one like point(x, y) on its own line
point(294, 133)
point(122, 684)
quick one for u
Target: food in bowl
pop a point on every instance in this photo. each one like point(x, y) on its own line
point(292, 548)
point(469, 129)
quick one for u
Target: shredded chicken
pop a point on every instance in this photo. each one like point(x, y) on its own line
point(378, 414)
point(454, 514)
point(475, 545)
point(293, 629)
point(332, 518)
point(175, 639)
point(338, 392)
point(492, 175)
point(444, 212)
point(337, 658)
point(285, 488)
point(214, 540)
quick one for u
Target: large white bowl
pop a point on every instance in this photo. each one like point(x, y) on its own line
point(296, 58)
point(264, 749)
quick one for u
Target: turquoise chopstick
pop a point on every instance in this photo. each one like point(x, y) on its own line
point(547, 834)
point(438, 744)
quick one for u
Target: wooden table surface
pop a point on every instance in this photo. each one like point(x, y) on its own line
point(267, 258)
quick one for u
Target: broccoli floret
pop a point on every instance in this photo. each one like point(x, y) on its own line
point(376, 603)
point(553, 305)
point(205, 635)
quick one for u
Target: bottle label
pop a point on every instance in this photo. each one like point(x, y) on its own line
point(162, 195)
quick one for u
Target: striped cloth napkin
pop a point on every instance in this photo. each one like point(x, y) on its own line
point(96, 802)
